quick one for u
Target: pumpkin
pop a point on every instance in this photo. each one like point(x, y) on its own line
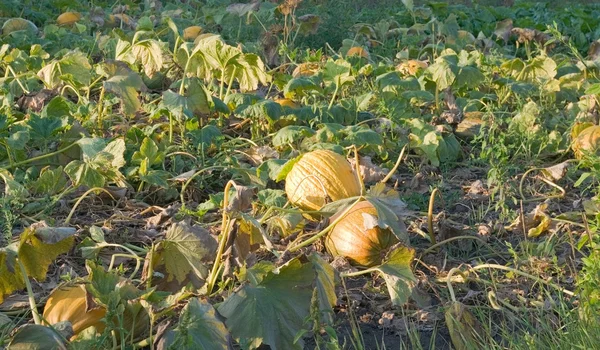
point(353, 238)
point(587, 141)
point(70, 303)
point(318, 176)
point(306, 69)
point(358, 51)
point(191, 33)
point(286, 102)
point(68, 18)
point(17, 24)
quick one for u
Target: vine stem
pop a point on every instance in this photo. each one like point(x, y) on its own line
point(327, 229)
point(357, 169)
point(393, 171)
point(30, 296)
point(43, 156)
point(212, 278)
point(335, 92)
point(522, 182)
point(189, 181)
point(504, 268)
point(68, 219)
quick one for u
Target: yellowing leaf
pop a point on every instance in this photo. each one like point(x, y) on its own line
point(41, 245)
point(466, 331)
point(10, 278)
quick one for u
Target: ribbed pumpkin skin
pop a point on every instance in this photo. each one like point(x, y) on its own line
point(587, 141)
point(357, 51)
point(350, 239)
point(319, 175)
point(68, 303)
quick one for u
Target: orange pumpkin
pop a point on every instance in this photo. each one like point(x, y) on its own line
point(353, 239)
point(71, 303)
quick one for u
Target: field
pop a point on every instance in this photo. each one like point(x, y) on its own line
point(299, 174)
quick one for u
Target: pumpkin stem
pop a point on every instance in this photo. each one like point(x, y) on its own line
point(326, 229)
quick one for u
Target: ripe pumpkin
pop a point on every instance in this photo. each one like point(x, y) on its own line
point(286, 102)
point(306, 69)
point(320, 175)
point(358, 51)
point(70, 303)
point(354, 240)
point(191, 33)
point(587, 141)
point(68, 18)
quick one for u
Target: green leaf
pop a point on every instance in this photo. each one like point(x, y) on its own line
point(276, 308)
point(442, 73)
point(272, 167)
point(398, 275)
point(200, 328)
point(125, 84)
point(17, 140)
point(185, 250)
point(359, 136)
point(337, 72)
point(84, 174)
point(50, 181)
point(44, 127)
point(37, 337)
point(301, 86)
point(409, 4)
point(206, 136)
point(57, 108)
point(262, 110)
point(470, 77)
point(272, 198)
point(291, 134)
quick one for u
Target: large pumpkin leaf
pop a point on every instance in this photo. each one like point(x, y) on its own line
point(38, 247)
point(200, 328)
point(325, 284)
point(37, 337)
point(397, 273)
point(149, 54)
point(10, 278)
point(185, 250)
point(276, 308)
